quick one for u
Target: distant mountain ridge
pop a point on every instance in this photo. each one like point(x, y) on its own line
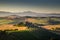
point(29, 13)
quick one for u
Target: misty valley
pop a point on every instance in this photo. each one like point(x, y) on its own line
point(29, 19)
point(16, 27)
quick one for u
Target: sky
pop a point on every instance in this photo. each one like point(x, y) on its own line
point(39, 6)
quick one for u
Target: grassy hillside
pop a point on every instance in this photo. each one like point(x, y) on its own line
point(40, 34)
point(38, 21)
point(33, 20)
point(30, 33)
point(4, 21)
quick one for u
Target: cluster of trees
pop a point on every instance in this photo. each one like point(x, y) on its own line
point(20, 24)
point(28, 24)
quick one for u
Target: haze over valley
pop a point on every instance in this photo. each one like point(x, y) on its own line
point(29, 19)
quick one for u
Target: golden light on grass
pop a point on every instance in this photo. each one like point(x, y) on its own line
point(49, 27)
point(11, 27)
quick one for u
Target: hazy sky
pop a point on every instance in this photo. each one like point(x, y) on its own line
point(42, 6)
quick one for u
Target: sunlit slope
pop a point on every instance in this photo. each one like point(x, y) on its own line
point(38, 21)
point(40, 34)
point(52, 27)
point(4, 21)
point(56, 19)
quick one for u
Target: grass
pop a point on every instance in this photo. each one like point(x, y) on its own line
point(56, 19)
point(29, 30)
point(28, 34)
point(20, 35)
point(38, 21)
point(40, 34)
point(4, 21)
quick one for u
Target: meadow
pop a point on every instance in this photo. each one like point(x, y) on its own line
point(13, 30)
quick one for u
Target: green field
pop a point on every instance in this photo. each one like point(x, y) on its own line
point(31, 34)
point(4, 21)
point(45, 21)
point(40, 34)
point(38, 21)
